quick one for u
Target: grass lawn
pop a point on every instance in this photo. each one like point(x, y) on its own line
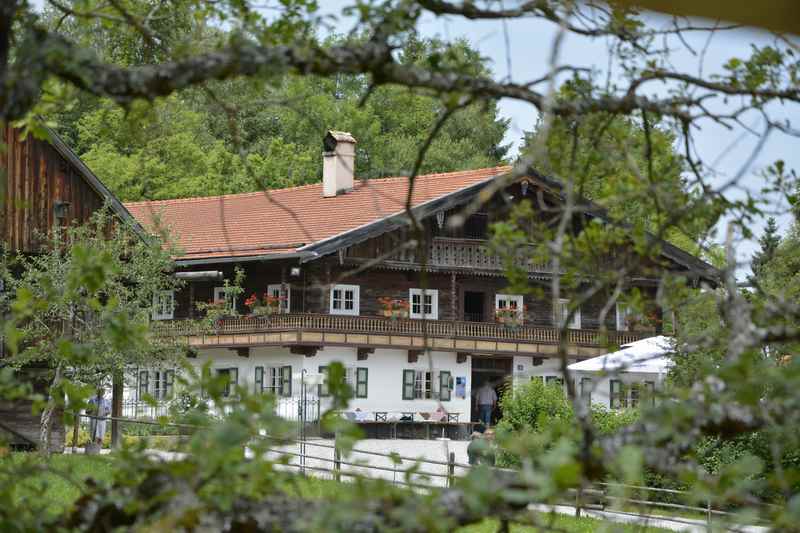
point(55, 493)
point(562, 523)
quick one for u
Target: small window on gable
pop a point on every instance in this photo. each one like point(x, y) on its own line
point(423, 303)
point(163, 305)
point(225, 294)
point(344, 300)
point(277, 295)
point(562, 312)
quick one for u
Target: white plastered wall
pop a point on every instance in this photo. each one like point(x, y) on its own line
point(385, 374)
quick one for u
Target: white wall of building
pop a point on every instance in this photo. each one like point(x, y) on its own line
point(601, 384)
point(385, 374)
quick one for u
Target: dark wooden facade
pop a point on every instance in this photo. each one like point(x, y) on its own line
point(41, 188)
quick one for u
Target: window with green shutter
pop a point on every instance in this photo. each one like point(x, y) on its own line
point(408, 384)
point(361, 382)
point(286, 381)
point(444, 385)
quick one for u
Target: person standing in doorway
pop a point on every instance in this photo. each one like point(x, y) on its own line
point(487, 399)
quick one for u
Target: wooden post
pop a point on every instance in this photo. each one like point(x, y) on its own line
point(116, 410)
point(451, 468)
point(708, 516)
point(578, 502)
point(75, 430)
point(337, 462)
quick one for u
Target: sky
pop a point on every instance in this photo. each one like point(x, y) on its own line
point(519, 50)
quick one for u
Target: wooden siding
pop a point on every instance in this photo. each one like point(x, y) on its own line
point(310, 294)
point(34, 178)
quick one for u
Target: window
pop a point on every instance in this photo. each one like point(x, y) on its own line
point(225, 294)
point(586, 390)
point(362, 375)
point(424, 304)
point(649, 394)
point(344, 300)
point(562, 312)
point(509, 301)
point(423, 385)
point(266, 380)
point(618, 396)
point(144, 384)
point(622, 316)
point(426, 385)
point(274, 291)
point(445, 385)
point(162, 384)
point(163, 305)
point(635, 391)
point(554, 380)
point(233, 380)
point(285, 385)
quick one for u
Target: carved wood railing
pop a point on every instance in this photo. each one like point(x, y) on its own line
point(387, 326)
point(447, 252)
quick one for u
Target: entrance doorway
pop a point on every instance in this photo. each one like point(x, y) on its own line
point(496, 371)
point(473, 306)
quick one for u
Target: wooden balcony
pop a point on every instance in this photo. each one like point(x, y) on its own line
point(379, 332)
point(461, 255)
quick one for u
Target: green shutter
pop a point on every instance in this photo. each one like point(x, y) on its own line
point(408, 384)
point(286, 380)
point(259, 381)
point(444, 385)
point(362, 376)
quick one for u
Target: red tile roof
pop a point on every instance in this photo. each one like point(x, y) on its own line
point(284, 220)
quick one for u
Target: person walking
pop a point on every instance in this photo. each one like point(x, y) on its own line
point(487, 399)
point(100, 408)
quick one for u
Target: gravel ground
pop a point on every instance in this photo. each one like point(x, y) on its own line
point(413, 452)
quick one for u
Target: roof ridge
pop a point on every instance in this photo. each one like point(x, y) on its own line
point(190, 199)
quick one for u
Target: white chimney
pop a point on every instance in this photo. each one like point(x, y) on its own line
point(338, 163)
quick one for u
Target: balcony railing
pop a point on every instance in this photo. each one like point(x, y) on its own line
point(386, 326)
point(467, 254)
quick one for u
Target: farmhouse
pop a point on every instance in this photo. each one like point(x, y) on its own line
point(329, 275)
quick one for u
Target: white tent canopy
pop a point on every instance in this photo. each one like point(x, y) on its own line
point(645, 356)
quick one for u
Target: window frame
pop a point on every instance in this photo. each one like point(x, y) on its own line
point(143, 385)
point(285, 307)
point(518, 299)
point(617, 399)
point(356, 289)
point(622, 310)
point(562, 309)
point(422, 293)
point(586, 391)
point(157, 305)
point(230, 387)
point(222, 293)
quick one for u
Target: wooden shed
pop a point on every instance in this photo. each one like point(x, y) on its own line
point(43, 184)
